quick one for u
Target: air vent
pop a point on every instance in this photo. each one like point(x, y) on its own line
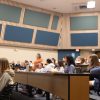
point(83, 6)
point(79, 6)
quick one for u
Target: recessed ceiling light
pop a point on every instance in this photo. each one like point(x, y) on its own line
point(93, 49)
point(91, 4)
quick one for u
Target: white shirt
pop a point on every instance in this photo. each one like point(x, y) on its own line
point(38, 70)
point(48, 68)
point(5, 80)
point(60, 69)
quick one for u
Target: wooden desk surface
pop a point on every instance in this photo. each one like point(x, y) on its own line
point(50, 82)
point(68, 87)
point(21, 77)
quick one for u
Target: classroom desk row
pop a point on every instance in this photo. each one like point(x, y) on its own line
point(66, 86)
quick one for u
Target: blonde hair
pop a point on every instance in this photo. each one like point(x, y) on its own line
point(4, 64)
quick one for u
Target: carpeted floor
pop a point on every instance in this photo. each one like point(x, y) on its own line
point(17, 96)
point(94, 96)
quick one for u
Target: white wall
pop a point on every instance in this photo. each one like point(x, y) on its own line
point(21, 54)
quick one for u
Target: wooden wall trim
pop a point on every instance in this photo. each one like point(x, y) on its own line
point(22, 15)
point(3, 30)
point(26, 45)
point(50, 22)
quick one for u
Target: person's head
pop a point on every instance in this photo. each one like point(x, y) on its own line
point(4, 64)
point(70, 61)
point(94, 60)
point(38, 55)
point(30, 62)
point(60, 63)
point(30, 68)
point(78, 60)
point(65, 59)
point(40, 65)
point(48, 61)
point(82, 60)
point(26, 62)
point(53, 60)
point(17, 68)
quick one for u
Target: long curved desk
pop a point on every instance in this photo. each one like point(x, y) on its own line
point(67, 86)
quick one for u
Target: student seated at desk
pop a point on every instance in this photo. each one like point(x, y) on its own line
point(12, 64)
point(17, 64)
point(94, 72)
point(24, 66)
point(78, 60)
point(39, 67)
point(54, 61)
point(70, 65)
point(49, 67)
point(60, 67)
point(7, 74)
point(81, 61)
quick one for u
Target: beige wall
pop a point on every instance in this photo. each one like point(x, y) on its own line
point(21, 54)
point(85, 53)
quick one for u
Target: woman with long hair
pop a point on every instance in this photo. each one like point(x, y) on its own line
point(70, 65)
point(7, 74)
point(94, 72)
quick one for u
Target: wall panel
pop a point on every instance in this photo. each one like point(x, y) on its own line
point(47, 38)
point(36, 18)
point(9, 13)
point(18, 34)
point(84, 23)
point(84, 39)
point(63, 53)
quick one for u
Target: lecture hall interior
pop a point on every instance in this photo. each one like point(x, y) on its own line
point(49, 49)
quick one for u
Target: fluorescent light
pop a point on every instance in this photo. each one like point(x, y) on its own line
point(91, 4)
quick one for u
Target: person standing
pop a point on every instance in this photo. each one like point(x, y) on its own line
point(37, 61)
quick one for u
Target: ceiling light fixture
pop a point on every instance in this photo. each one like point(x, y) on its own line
point(91, 4)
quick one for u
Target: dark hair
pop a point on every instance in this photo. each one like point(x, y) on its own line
point(26, 61)
point(49, 61)
point(39, 55)
point(54, 60)
point(65, 57)
point(70, 60)
point(60, 63)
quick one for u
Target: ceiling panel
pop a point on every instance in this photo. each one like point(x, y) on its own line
point(62, 6)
